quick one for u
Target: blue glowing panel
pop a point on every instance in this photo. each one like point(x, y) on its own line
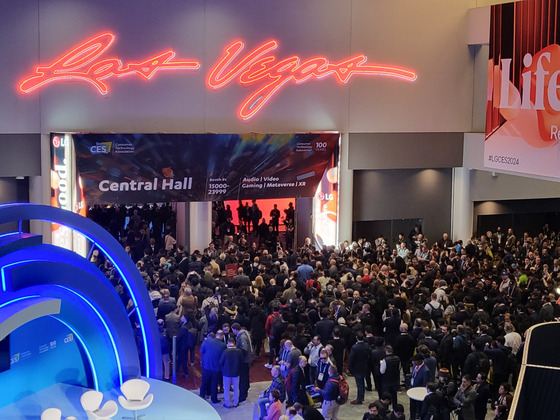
point(42, 352)
point(151, 351)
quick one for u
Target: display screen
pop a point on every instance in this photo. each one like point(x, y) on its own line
point(5, 354)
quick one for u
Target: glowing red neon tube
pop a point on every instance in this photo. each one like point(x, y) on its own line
point(84, 63)
point(259, 66)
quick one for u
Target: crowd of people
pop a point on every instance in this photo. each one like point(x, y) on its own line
point(444, 315)
point(252, 224)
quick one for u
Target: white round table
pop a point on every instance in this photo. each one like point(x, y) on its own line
point(418, 393)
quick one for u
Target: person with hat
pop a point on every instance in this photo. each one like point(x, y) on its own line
point(420, 378)
point(448, 389)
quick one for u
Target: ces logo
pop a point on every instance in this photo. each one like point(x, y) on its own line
point(103, 148)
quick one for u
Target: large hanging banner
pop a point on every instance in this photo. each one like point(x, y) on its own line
point(137, 168)
point(523, 102)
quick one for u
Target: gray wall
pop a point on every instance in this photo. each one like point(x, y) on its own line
point(405, 194)
point(21, 155)
point(14, 190)
point(405, 150)
point(391, 33)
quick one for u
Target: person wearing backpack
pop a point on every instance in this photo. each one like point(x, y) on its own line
point(476, 362)
point(330, 395)
point(434, 308)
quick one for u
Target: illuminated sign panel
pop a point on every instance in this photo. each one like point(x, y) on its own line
point(259, 68)
point(523, 102)
point(83, 63)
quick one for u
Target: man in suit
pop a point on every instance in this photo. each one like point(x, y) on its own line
point(432, 404)
point(298, 392)
point(482, 388)
point(210, 352)
point(420, 378)
point(358, 365)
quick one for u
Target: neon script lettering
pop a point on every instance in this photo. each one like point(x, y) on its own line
point(83, 63)
point(261, 67)
point(258, 67)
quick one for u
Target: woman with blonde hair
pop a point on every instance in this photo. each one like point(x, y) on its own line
point(258, 285)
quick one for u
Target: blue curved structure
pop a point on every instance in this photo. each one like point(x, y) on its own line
point(90, 306)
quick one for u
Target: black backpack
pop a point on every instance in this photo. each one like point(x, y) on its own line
point(436, 313)
point(482, 363)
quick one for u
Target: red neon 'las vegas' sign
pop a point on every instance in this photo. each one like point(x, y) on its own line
point(259, 68)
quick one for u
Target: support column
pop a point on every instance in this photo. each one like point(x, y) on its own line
point(40, 189)
point(200, 225)
point(461, 206)
point(182, 230)
point(345, 192)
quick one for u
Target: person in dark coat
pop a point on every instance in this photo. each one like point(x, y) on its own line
point(230, 364)
point(404, 348)
point(391, 326)
point(420, 378)
point(360, 356)
point(210, 352)
point(298, 392)
point(377, 355)
point(308, 412)
point(482, 388)
point(448, 389)
point(257, 319)
point(185, 340)
point(432, 404)
point(324, 327)
point(391, 371)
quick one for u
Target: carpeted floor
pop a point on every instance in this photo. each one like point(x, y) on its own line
point(258, 372)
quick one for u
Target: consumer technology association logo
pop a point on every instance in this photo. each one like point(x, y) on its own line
point(101, 148)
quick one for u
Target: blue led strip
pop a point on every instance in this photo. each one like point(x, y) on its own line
point(17, 300)
point(4, 235)
point(109, 334)
point(3, 270)
point(132, 296)
point(86, 350)
point(10, 212)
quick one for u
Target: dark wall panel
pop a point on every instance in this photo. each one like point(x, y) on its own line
point(21, 155)
point(381, 195)
point(405, 150)
point(523, 215)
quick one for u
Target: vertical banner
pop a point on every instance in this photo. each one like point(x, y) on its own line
point(66, 192)
point(325, 206)
point(523, 101)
